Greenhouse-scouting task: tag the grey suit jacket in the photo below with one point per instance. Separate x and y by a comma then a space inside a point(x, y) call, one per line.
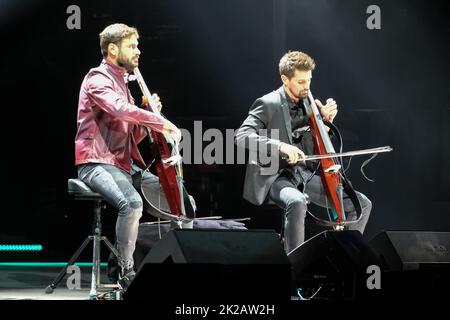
point(271, 113)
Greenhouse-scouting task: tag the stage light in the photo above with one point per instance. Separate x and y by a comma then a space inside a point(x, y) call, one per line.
point(20, 247)
point(47, 264)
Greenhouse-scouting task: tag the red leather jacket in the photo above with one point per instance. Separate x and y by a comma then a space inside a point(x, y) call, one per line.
point(109, 125)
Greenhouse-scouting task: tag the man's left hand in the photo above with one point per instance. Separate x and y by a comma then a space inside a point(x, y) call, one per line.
point(157, 99)
point(329, 110)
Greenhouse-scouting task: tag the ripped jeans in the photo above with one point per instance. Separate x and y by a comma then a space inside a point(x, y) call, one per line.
point(116, 186)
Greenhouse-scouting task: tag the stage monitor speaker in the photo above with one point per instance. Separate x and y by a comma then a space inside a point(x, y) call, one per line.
point(333, 251)
point(333, 261)
point(413, 250)
point(193, 266)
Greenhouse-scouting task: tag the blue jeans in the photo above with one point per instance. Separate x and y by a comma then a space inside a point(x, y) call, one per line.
point(285, 194)
point(116, 186)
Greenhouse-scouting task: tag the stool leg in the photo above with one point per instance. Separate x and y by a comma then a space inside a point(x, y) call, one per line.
point(111, 246)
point(97, 230)
point(61, 275)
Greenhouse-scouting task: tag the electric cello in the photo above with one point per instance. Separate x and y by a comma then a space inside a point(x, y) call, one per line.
point(168, 164)
point(330, 167)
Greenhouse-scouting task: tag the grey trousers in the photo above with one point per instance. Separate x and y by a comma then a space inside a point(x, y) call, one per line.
point(285, 194)
point(116, 186)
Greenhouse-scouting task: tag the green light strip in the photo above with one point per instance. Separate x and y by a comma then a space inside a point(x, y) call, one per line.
point(47, 264)
point(20, 247)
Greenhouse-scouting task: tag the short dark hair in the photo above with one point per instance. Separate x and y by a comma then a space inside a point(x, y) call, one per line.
point(295, 60)
point(115, 33)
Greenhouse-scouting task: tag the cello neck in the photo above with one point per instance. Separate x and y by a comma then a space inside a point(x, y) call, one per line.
point(145, 91)
point(315, 113)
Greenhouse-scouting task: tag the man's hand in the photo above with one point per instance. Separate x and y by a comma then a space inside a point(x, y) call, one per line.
point(172, 130)
point(293, 153)
point(156, 99)
point(329, 110)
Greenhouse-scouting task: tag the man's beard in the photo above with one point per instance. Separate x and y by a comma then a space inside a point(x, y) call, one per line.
point(127, 63)
point(302, 94)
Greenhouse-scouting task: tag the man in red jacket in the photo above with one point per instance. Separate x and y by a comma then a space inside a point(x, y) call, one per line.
point(109, 127)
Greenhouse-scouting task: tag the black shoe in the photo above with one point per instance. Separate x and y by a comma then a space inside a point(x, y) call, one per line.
point(126, 279)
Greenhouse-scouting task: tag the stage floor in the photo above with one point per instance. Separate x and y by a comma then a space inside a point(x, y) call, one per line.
point(29, 283)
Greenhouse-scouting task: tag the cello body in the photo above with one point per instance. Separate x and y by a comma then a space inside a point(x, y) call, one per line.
point(164, 148)
point(333, 180)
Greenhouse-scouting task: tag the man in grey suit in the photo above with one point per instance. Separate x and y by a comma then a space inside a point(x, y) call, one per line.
point(277, 127)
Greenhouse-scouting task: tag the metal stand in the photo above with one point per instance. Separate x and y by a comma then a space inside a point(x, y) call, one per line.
point(97, 238)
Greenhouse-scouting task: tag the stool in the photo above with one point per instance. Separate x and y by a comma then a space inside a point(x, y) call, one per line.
point(78, 190)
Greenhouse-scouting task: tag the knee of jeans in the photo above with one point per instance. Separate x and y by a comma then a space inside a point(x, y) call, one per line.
point(366, 205)
point(132, 209)
point(296, 206)
point(299, 200)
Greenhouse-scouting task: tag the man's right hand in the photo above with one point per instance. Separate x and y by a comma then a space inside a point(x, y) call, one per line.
point(293, 153)
point(172, 130)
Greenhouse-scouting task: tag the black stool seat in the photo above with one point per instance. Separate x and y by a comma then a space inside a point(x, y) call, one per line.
point(79, 190)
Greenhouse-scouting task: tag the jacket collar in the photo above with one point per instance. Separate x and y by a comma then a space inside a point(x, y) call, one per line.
point(286, 104)
point(285, 99)
point(115, 69)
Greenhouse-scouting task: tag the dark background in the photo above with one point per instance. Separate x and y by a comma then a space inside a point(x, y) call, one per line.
point(209, 60)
